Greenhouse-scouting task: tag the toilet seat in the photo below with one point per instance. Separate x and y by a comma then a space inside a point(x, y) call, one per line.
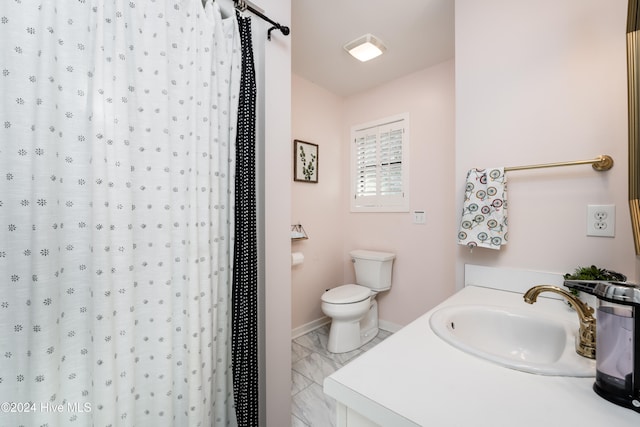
point(346, 294)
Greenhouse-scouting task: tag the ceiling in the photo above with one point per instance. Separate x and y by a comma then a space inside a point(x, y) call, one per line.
point(417, 34)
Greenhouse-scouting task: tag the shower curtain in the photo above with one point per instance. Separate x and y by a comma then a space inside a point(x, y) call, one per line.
point(244, 299)
point(117, 163)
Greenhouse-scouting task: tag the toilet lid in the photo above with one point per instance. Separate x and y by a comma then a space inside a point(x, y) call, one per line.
point(346, 294)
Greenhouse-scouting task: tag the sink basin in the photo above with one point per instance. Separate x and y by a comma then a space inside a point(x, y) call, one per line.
point(515, 338)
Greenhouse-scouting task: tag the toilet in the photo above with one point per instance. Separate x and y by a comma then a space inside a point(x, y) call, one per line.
point(353, 308)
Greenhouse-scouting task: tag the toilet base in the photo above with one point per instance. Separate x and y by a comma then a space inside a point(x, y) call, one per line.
point(349, 336)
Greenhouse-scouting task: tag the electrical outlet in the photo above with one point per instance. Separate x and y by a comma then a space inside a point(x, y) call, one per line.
point(601, 220)
point(419, 217)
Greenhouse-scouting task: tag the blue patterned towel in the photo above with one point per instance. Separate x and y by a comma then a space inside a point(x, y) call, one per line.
point(484, 214)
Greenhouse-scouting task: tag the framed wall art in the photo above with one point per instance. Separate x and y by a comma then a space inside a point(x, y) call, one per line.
point(305, 161)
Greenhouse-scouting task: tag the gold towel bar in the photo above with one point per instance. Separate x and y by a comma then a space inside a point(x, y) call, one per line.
point(602, 163)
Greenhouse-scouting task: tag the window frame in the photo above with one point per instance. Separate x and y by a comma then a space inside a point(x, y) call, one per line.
point(377, 202)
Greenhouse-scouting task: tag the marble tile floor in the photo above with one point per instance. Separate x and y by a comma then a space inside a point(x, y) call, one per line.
point(310, 364)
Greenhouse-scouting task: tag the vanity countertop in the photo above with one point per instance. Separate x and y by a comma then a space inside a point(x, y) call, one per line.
point(414, 378)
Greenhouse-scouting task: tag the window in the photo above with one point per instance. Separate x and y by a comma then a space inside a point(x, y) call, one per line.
point(379, 166)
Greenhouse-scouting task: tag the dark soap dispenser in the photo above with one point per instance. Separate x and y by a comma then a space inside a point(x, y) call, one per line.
point(617, 339)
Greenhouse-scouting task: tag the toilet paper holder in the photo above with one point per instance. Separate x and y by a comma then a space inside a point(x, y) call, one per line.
point(297, 258)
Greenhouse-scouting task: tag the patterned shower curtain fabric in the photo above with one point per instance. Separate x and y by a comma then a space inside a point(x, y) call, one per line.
point(244, 343)
point(117, 169)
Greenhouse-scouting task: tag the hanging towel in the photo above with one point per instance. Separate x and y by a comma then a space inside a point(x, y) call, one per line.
point(484, 213)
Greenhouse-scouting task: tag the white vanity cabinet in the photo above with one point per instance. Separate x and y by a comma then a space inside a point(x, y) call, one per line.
point(348, 417)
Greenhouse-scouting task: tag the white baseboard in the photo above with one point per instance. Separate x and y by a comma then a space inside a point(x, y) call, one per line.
point(388, 326)
point(318, 323)
point(308, 327)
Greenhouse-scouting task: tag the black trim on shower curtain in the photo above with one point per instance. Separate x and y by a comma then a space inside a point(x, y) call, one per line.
point(244, 317)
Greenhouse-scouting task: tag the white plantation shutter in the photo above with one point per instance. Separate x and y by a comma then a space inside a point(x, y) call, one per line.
point(390, 158)
point(366, 165)
point(380, 169)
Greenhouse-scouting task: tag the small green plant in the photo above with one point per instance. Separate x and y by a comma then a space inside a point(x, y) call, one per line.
point(594, 273)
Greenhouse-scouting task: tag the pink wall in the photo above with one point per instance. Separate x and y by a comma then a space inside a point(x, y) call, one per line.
point(317, 118)
point(423, 272)
point(535, 82)
point(275, 344)
point(540, 82)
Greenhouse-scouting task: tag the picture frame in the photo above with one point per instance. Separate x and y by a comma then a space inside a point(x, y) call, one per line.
point(305, 161)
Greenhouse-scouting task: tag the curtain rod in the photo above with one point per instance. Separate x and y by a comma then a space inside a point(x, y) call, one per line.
point(243, 5)
point(602, 163)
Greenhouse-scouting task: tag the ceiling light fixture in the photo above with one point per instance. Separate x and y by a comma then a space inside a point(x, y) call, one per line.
point(365, 47)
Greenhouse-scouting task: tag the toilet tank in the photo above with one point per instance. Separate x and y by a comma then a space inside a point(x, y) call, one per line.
point(373, 269)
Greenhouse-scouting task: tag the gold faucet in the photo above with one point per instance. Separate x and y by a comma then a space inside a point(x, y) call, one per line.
point(586, 344)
